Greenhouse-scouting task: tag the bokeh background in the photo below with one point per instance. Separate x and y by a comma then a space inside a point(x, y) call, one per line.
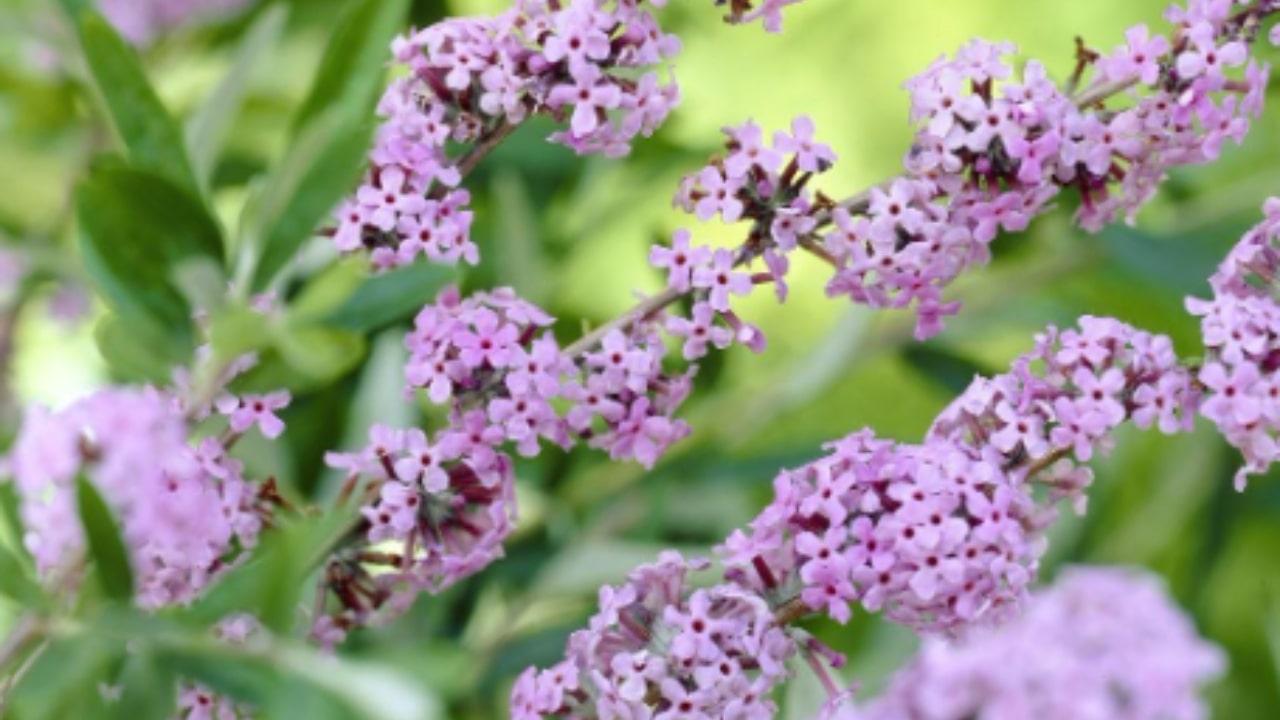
point(572, 235)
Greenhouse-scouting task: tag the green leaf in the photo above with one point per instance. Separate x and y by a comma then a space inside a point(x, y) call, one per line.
point(137, 350)
point(207, 129)
point(950, 371)
point(392, 297)
point(106, 544)
point(273, 582)
point(320, 353)
point(148, 687)
point(138, 230)
point(320, 168)
point(351, 71)
point(148, 132)
point(63, 680)
point(17, 581)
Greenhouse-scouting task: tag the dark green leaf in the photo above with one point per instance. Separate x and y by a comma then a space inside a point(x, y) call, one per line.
point(148, 132)
point(207, 129)
point(392, 297)
point(138, 229)
point(322, 166)
point(353, 66)
point(948, 370)
point(106, 544)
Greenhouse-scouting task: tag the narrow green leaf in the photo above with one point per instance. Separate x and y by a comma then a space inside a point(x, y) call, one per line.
point(64, 679)
point(138, 228)
point(148, 687)
point(106, 544)
point(950, 371)
point(352, 68)
point(392, 297)
point(17, 581)
point(207, 129)
point(144, 126)
point(75, 8)
point(273, 582)
point(322, 166)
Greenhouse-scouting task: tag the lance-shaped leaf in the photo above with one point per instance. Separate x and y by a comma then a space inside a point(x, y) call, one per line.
point(207, 129)
point(138, 228)
point(106, 544)
point(352, 68)
point(144, 126)
point(320, 168)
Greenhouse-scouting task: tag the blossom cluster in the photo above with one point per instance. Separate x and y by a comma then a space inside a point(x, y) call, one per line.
point(443, 507)
point(142, 21)
point(993, 149)
point(1241, 331)
point(492, 359)
point(661, 649)
point(1100, 643)
point(185, 509)
point(595, 63)
point(949, 532)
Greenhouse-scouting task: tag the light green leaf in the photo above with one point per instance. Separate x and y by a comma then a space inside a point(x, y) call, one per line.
point(319, 352)
point(148, 132)
point(106, 544)
point(137, 350)
point(207, 130)
point(353, 66)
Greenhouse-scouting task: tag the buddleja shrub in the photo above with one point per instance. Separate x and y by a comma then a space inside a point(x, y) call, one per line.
point(158, 576)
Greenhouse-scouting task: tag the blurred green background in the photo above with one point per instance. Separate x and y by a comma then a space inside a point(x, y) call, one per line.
point(572, 235)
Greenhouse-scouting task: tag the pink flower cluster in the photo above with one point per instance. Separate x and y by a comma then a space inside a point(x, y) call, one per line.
point(992, 151)
point(443, 507)
point(949, 532)
point(1241, 331)
point(503, 374)
point(660, 649)
point(185, 510)
point(142, 21)
point(757, 182)
point(1099, 643)
point(471, 80)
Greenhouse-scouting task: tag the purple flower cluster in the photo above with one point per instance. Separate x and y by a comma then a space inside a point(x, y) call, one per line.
point(992, 151)
point(660, 649)
point(142, 21)
point(443, 507)
point(1241, 331)
point(766, 185)
point(493, 360)
point(185, 509)
point(1099, 643)
point(471, 80)
point(949, 532)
